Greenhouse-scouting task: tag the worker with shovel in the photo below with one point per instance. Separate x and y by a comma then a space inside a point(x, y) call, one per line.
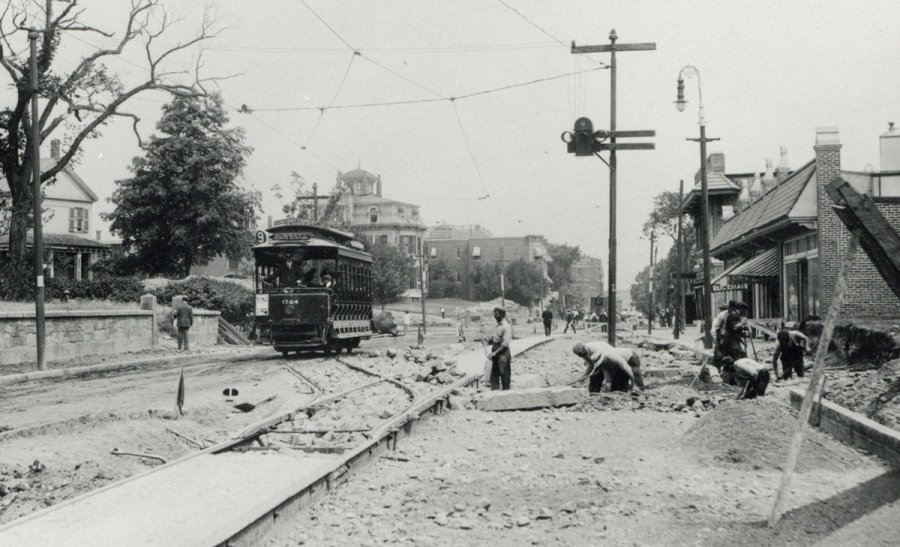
point(752, 376)
point(500, 355)
point(791, 346)
point(621, 365)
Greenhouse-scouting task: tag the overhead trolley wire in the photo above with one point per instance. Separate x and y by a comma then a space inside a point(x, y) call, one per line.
point(544, 31)
point(418, 101)
point(333, 99)
point(366, 57)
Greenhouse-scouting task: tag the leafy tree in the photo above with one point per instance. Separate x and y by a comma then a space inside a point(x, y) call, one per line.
point(441, 279)
point(486, 280)
point(390, 273)
point(79, 98)
point(639, 291)
point(563, 258)
point(183, 205)
point(523, 282)
point(664, 217)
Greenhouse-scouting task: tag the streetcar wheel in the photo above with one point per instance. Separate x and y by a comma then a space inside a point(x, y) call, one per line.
point(348, 349)
point(327, 350)
point(284, 353)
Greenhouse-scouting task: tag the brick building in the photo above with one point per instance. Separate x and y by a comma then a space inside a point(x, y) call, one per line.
point(463, 255)
point(456, 231)
point(782, 249)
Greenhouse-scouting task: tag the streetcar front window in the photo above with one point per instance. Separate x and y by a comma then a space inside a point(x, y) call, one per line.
point(300, 267)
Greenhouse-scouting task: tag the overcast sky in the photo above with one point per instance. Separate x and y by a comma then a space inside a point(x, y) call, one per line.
point(772, 71)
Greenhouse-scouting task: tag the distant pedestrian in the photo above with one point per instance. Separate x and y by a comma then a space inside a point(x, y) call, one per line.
point(460, 332)
point(183, 317)
point(547, 318)
point(791, 346)
point(442, 312)
point(406, 322)
point(570, 321)
point(500, 356)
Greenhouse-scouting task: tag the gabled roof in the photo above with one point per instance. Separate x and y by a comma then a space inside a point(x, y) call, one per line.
point(772, 209)
point(716, 183)
point(66, 173)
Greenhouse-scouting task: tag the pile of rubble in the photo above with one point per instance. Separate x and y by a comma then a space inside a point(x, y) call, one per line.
point(874, 393)
point(757, 433)
point(663, 398)
point(415, 365)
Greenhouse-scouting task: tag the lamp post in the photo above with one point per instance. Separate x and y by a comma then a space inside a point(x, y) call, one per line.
point(689, 71)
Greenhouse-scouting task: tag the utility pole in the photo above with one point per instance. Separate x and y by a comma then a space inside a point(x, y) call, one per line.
point(650, 287)
point(422, 282)
point(679, 310)
point(612, 48)
point(40, 327)
point(541, 271)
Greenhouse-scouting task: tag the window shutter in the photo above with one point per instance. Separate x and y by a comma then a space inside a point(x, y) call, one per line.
point(71, 219)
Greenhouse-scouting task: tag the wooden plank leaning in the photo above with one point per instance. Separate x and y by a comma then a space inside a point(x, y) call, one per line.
point(816, 381)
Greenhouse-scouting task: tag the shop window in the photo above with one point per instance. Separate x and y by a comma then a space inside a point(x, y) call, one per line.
point(476, 252)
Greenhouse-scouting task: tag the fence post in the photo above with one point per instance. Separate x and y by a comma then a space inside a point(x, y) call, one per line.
point(148, 302)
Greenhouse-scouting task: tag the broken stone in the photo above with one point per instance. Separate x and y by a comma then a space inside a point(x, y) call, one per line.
point(545, 514)
point(569, 507)
point(523, 521)
point(441, 520)
point(466, 524)
point(391, 353)
point(531, 398)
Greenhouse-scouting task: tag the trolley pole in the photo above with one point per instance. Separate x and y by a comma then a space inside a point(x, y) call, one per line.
point(612, 146)
point(40, 327)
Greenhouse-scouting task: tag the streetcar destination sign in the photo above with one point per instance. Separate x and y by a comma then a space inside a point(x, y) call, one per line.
point(290, 236)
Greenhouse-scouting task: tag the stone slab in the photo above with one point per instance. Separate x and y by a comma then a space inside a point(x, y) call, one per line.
point(202, 501)
point(531, 398)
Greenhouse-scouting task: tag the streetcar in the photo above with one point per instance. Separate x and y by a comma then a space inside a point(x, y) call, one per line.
point(313, 288)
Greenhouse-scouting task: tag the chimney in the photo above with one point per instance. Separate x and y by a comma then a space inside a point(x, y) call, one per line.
point(756, 188)
point(784, 168)
point(889, 148)
point(832, 236)
point(54, 149)
point(768, 180)
point(378, 186)
point(716, 163)
point(98, 235)
point(744, 199)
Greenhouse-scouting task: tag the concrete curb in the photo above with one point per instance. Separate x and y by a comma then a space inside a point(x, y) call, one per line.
point(853, 428)
point(73, 372)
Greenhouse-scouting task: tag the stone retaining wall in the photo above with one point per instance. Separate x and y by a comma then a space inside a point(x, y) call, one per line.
point(77, 333)
point(853, 429)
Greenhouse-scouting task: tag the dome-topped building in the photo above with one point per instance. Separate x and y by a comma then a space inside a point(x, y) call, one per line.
point(362, 209)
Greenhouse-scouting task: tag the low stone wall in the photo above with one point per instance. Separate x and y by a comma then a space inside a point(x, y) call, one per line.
point(77, 333)
point(853, 429)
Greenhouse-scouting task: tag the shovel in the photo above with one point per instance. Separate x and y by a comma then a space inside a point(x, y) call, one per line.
point(247, 407)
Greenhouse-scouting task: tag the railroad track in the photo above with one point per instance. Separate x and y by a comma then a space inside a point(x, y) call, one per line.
point(233, 493)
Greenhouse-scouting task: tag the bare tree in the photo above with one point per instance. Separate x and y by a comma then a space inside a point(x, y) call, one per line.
point(78, 99)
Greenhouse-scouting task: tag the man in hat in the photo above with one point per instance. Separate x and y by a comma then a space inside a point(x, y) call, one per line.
point(547, 319)
point(183, 317)
point(620, 365)
point(570, 321)
point(500, 356)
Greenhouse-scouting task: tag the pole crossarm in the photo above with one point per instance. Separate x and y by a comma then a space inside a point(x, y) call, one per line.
point(604, 48)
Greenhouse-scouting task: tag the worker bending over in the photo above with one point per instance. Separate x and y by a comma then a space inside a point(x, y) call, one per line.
point(620, 365)
point(753, 377)
point(792, 345)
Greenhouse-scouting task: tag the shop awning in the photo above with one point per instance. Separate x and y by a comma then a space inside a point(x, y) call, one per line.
point(721, 281)
point(760, 268)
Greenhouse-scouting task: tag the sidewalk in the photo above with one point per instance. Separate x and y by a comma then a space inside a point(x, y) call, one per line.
point(139, 360)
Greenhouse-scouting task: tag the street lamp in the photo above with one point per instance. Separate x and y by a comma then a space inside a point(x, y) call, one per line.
point(687, 72)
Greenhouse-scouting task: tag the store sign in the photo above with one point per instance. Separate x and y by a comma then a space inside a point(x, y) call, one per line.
point(731, 287)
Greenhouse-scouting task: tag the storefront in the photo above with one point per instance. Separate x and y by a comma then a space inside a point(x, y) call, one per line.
point(759, 275)
point(801, 275)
